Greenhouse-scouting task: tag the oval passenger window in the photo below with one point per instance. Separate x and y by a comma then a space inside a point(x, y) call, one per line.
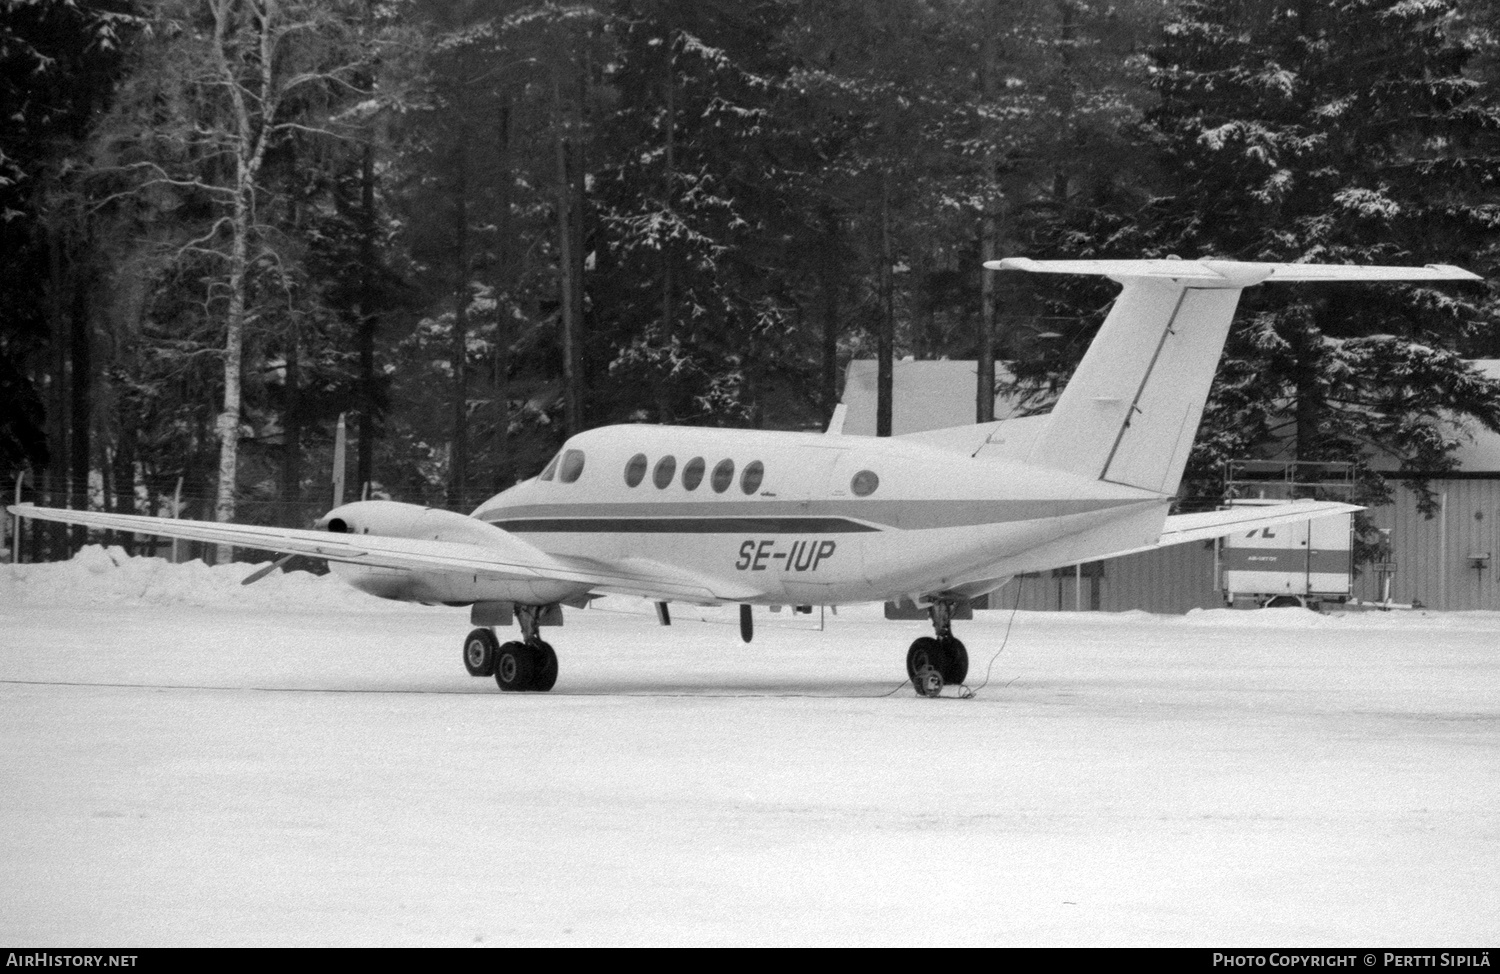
point(723, 476)
point(751, 478)
point(692, 474)
point(635, 470)
point(665, 468)
point(572, 466)
point(864, 483)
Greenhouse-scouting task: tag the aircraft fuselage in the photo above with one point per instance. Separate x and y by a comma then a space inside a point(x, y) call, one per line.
point(807, 518)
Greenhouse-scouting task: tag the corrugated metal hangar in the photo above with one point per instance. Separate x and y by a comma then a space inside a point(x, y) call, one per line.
point(1445, 561)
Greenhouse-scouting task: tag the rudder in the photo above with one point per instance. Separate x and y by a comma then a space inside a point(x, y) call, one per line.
point(1130, 412)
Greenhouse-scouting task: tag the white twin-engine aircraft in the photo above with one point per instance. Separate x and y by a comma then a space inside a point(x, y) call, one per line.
point(716, 516)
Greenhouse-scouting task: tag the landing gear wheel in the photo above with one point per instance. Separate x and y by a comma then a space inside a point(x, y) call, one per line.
point(480, 651)
point(925, 664)
point(955, 666)
point(928, 682)
point(516, 666)
point(546, 671)
point(923, 652)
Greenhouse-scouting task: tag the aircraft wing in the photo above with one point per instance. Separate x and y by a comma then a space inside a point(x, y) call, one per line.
point(1182, 528)
point(509, 559)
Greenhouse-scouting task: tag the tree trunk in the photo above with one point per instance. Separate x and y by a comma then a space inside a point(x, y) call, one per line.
point(56, 389)
point(668, 195)
point(228, 424)
point(885, 345)
point(291, 455)
point(125, 470)
point(989, 233)
point(1309, 411)
point(567, 286)
point(580, 321)
point(984, 389)
point(80, 389)
point(459, 457)
point(830, 351)
point(252, 133)
point(367, 318)
point(505, 277)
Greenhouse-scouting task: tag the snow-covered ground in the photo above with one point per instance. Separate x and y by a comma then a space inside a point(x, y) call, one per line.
point(186, 761)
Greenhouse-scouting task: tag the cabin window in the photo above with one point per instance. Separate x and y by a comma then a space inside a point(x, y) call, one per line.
point(572, 466)
point(692, 474)
point(864, 483)
point(665, 468)
point(635, 470)
point(551, 468)
point(751, 478)
point(723, 476)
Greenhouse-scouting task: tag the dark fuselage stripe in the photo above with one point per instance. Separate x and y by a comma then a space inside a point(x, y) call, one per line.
point(864, 515)
point(684, 525)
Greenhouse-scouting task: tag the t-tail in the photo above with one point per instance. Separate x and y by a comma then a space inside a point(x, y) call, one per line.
point(1131, 410)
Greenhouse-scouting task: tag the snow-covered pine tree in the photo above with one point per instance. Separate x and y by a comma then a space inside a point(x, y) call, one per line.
point(58, 66)
point(1342, 132)
point(692, 218)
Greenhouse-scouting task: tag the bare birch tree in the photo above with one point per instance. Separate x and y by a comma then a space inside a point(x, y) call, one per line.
point(219, 88)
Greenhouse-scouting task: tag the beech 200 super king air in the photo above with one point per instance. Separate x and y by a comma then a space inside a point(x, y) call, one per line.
point(716, 516)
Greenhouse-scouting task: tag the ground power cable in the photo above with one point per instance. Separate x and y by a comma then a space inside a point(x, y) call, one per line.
point(965, 691)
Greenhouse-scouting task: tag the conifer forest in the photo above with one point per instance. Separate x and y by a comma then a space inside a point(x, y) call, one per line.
point(475, 228)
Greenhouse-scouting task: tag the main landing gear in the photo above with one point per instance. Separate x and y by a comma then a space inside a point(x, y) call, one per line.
point(933, 662)
point(529, 664)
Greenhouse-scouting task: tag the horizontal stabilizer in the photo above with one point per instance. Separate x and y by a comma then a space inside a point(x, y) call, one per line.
point(1182, 528)
point(1230, 273)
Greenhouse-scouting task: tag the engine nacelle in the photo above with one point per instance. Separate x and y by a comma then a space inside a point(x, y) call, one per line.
point(393, 519)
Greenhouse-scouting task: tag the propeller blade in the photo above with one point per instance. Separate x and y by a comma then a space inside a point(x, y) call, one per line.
point(262, 573)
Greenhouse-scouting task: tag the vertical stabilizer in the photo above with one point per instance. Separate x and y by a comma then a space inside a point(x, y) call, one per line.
point(1131, 410)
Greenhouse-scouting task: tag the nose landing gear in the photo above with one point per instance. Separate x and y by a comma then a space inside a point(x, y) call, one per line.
point(933, 662)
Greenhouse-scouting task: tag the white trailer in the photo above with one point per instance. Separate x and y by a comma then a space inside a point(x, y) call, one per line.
point(1303, 563)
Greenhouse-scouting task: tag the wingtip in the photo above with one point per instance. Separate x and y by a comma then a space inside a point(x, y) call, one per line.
point(1454, 273)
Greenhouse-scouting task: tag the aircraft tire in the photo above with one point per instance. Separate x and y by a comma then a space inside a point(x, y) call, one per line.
point(955, 665)
point(480, 650)
point(516, 666)
point(926, 651)
point(546, 670)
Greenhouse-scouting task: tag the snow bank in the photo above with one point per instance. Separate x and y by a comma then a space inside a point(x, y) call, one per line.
point(108, 576)
point(1294, 618)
